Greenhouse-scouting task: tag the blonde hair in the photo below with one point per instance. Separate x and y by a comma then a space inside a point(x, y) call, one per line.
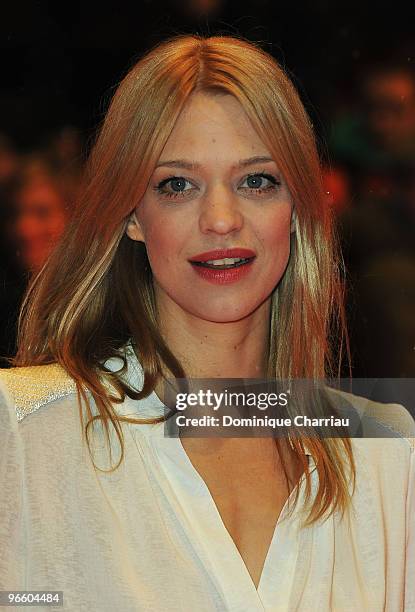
point(95, 292)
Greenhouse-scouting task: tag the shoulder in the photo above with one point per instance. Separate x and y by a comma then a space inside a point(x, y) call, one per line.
point(383, 445)
point(26, 389)
point(378, 420)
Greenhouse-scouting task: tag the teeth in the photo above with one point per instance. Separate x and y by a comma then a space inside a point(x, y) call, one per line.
point(224, 262)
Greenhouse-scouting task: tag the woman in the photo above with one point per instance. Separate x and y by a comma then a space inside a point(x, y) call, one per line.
point(202, 249)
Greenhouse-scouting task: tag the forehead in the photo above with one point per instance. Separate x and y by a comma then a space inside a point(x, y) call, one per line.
point(213, 123)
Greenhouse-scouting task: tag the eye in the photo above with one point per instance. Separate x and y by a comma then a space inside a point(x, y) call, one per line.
point(258, 182)
point(177, 186)
point(174, 187)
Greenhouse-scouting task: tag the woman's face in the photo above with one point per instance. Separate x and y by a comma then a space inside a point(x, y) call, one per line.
point(40, 221)
point(208, 193)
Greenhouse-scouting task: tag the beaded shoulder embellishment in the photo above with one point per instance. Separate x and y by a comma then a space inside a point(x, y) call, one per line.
point(34, 386)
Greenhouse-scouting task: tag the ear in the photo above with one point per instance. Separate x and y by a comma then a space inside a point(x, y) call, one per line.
point(133, 229)
point(293, 221)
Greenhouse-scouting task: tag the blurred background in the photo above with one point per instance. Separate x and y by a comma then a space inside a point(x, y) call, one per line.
point(354, 66)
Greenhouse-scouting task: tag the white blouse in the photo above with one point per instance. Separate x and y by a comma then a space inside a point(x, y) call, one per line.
point(149, 537)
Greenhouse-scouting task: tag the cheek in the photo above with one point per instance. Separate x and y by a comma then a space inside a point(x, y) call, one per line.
point(276, 234)
point(163, 244)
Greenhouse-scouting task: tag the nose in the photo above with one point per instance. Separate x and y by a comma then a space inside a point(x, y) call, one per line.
point(220, 212)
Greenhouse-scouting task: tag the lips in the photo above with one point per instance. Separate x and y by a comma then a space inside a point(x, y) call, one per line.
point(223, 254)
point(223, 266)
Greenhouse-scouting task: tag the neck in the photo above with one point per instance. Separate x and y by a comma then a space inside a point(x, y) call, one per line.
point(207, 349)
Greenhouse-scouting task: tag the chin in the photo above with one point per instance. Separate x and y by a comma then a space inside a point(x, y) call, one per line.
point(224, 313)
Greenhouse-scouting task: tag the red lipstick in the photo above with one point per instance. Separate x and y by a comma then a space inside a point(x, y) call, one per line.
point(222, 253)
point(226, 272)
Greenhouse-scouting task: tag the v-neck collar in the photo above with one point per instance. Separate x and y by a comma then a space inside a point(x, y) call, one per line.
point(208, 532)
point(195, 507)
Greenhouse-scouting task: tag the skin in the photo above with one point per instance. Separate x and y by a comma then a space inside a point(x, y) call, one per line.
point(392, 115)
point(208, 325)
point(39, 223)
point(217, 330)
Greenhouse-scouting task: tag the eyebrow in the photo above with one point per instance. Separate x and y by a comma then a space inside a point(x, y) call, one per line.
point(189, 165)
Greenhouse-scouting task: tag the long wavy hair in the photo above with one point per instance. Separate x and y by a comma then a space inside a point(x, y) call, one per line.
point(95, 292)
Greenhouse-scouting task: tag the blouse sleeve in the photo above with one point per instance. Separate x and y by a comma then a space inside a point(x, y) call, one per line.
point(12, 552)
point(410, 557)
